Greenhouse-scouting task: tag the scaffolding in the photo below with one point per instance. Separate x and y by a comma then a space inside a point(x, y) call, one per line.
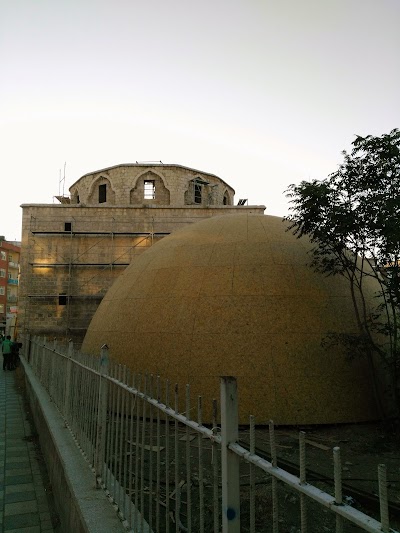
point(72, 295)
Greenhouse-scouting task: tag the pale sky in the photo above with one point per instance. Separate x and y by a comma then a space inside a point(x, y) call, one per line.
point(262, 93)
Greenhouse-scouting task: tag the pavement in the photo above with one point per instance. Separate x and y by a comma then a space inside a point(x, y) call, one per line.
point(24, 502)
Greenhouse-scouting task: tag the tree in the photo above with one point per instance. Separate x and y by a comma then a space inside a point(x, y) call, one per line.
point(353, 219)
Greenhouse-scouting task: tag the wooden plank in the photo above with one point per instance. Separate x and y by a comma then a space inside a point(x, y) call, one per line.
point(318, 445)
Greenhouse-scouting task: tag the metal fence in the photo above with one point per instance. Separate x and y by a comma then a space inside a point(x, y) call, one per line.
point(165, 471)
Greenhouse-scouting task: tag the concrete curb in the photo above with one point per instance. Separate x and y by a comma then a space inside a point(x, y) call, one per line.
point(80, 506)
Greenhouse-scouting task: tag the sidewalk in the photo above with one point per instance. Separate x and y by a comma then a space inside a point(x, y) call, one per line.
point(23, 500)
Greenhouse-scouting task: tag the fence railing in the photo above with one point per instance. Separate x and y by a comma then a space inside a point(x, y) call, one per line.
point(166, 471)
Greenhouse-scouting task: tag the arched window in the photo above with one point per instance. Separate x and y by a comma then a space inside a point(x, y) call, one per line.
point(149, 187)
point(102, 193)
point(197, 193)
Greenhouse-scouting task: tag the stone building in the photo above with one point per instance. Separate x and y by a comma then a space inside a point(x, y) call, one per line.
point(72, 251)
point(9, 283)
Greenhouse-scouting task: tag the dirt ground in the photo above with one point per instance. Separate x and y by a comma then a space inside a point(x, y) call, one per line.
point(362, 447)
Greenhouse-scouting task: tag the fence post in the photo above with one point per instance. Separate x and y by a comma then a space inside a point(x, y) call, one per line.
point(229, 460)
point(32, 354)
point(383, 498)
point(42, 356)
point(102, 414)
point(27, 347)
point(68, 380)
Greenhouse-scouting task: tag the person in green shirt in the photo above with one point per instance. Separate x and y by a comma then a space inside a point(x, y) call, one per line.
point(6, 347)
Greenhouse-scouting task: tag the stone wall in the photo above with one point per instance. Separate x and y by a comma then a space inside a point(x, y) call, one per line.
point(72, 253)
point(173, 186)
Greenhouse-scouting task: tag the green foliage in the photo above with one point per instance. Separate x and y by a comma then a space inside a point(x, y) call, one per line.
point(353, 219)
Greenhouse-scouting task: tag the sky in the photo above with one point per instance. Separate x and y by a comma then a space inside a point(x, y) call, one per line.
point(262, 93)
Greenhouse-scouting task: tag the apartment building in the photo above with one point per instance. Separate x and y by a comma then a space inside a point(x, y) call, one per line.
point(9, 285)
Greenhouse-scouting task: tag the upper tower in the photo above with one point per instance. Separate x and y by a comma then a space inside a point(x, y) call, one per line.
point(151, 185)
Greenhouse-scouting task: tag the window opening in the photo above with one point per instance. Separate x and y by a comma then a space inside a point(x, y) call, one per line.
point(2, 273)
point(197, 193)
point(2, 291)
point(77, 199)
point(149, 189)
point(102, 193)
point(225, 201)
point(3, 256)
point(68, 226)
point(62, 299)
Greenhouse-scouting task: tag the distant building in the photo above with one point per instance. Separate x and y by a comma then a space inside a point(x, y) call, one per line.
point(9, 284)
point(73, 251)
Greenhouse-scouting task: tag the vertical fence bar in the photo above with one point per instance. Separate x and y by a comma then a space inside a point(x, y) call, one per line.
point(72, 399)
point(109, 427)
point(130, 471)
point(39, 357)
point(229, 460)
point(27, 347)
point(94, 394)
point(53, 366)
point(79, 414)
point(142, 452)
point(137, 453)
point(214, 455)
point(102, 414)
point(176, 444)
point(68, 380)
point(75, 404)
point(200, 460)
point(125, 453)
point(42, 357)
point(274, 482)
point(188, 465)
point(113, 431)
point(85, 410)
point(158, 475)
point(43, 354)
point(167, 461)
point(117, 438)
point(252, 478)
point(121, 495)
point(89, 413)
point(150, 520)
point(302, 461)
point(337, 465)
point(118, 447)
point(383, 498)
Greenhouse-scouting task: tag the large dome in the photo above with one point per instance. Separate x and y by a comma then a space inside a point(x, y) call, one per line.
point(233, 295)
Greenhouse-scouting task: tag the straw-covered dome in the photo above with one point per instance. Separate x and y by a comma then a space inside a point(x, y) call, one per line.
point(233, 295)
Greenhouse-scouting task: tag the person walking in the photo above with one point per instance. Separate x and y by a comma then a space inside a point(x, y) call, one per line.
point(14, 357)
point(7, 344)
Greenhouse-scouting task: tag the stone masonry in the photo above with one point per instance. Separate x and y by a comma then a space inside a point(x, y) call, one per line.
point(73, 251)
